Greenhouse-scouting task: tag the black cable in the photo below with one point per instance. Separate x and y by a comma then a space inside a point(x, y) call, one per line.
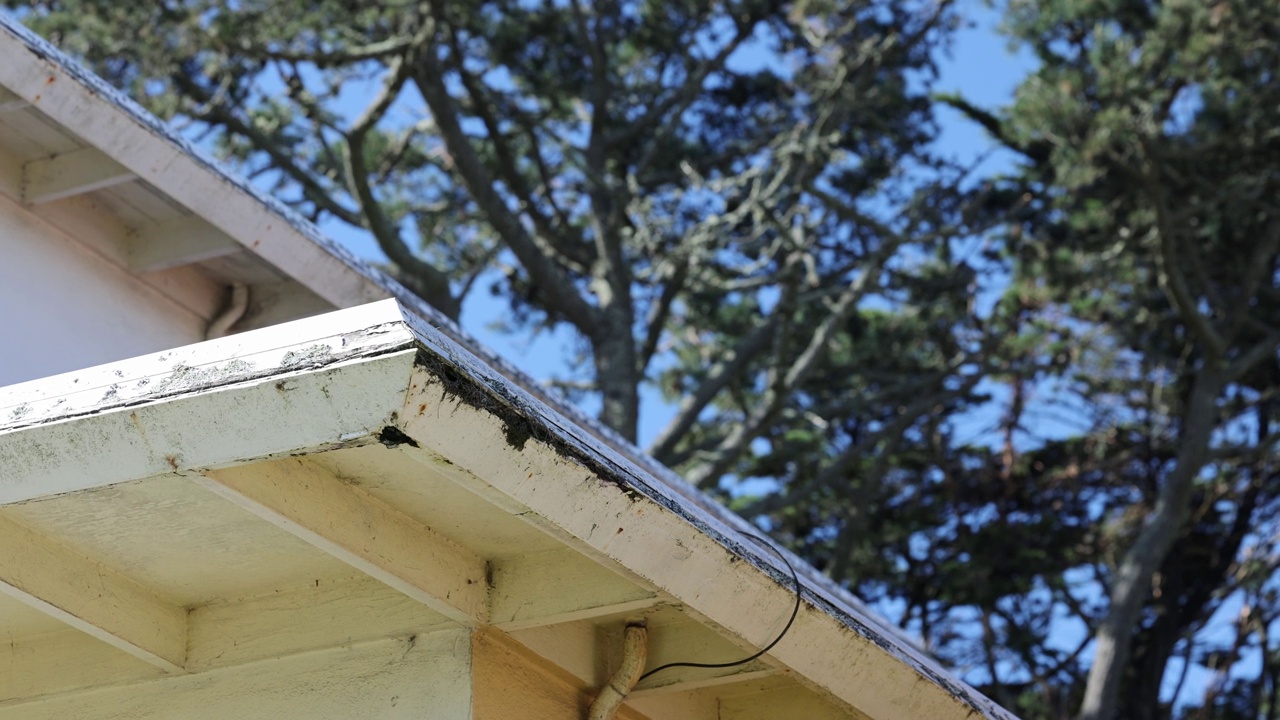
point(794, 612)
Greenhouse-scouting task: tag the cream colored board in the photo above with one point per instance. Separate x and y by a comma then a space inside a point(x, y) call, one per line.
point(90, 596)
point(69, 174)
point(179, 539)
point(325, 614)
point(148, 201)
point(12, 142)
point(437, 502)
point(344, 521)
point(591, 650)
point(35, 135)
point(249, 268)
point(426, 676)
point(778, 698)
point(176, 243)
point(63, 661)
point(18, 620)
point(104, 124)
point(559, 586)
point(87, 222)
point(621, 526)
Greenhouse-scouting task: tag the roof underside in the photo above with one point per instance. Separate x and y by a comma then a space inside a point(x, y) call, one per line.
point(360, 465)
point(88, 161)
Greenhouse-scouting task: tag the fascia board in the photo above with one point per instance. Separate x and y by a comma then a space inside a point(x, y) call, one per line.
point(340, 378)
point(572, 440)
point(312, 384)
point(86, 105)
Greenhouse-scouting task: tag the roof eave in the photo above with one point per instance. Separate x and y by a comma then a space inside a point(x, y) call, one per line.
point(345, 377)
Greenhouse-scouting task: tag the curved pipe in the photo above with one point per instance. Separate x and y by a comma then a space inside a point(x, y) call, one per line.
point(635, 653)
point(231, 314)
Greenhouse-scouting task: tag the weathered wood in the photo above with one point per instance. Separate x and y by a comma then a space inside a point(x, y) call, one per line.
point(257, 379)
point(74, 173)
point(273, 303)
point(510, 682)
point(638, 528)
point(504, 446)
point(360, 530)
point(424, 676)
point(87, 222)
point(675, 637)
point(279, 624)
point(774, 700)
point(558, 587)
point(91, 598)
point(181, 242)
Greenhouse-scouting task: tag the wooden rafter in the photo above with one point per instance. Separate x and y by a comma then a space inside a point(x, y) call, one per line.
point(360, 530)
point(73, 173)
point(90, 597)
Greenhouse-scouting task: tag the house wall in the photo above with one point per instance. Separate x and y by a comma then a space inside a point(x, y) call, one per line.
point(64, 307)
point(509, 682)
point(426, 678)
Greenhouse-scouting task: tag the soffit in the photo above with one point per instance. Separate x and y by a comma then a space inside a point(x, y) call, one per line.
point(84, 159)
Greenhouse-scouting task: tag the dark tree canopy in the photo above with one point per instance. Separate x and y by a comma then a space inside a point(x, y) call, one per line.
point(1032, 415)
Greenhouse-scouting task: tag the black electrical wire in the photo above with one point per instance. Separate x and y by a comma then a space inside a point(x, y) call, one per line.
point(794, 612)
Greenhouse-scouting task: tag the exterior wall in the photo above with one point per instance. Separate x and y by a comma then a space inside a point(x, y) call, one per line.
point(509, 682)
point(63, 307)
point(426, 678)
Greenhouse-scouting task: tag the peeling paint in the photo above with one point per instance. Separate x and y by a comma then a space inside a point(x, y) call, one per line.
point(185, 377)
point(454, 386)
point(314, 356)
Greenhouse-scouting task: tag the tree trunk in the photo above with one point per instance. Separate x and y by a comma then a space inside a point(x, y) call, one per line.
point(614, 352)
point(1132, 583)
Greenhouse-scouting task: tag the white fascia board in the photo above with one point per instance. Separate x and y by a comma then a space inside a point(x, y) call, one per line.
point(513, 404)
point(320, 382)
point(340, 379)
point(34, 72)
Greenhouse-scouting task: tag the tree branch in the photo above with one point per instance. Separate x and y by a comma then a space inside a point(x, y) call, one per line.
point(553, 243)
point(217, 113)
point(659, 311)
point(727, 369)
point(1171, 277)
point(390, 47)
point(819, 343)
point(427, 280)
point(1132, 581)
point(890, 432)
point(560, 293)
point(1262, 350)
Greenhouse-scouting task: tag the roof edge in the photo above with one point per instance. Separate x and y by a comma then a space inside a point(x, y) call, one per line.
point(387, 327)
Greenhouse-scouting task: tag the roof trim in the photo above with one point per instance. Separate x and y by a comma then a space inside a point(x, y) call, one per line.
point(379, 344)
point(60, 87)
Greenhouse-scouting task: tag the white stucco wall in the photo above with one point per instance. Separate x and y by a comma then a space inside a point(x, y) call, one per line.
point(63, 307)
